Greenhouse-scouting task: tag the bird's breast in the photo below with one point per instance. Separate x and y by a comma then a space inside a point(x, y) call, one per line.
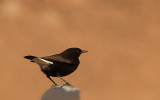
point(59, 69)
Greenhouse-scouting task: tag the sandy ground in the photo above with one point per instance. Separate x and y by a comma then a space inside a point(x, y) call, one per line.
point(122, 37)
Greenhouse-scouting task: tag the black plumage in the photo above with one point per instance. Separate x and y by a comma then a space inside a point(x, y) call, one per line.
point(59, 65)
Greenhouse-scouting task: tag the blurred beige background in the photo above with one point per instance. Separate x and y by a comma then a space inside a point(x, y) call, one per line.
point(122, 37)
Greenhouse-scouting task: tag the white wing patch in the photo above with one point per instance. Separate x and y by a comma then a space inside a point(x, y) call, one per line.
point(46, 61)
point(41, 61)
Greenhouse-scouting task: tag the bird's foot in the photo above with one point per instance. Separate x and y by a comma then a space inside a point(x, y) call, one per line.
point(64, 85)
point(54, 85)
point(68, 84)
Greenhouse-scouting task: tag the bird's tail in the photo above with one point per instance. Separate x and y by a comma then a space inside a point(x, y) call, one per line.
point(30, 57)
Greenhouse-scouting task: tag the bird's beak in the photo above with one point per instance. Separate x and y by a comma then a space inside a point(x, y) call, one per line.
point(84, 51)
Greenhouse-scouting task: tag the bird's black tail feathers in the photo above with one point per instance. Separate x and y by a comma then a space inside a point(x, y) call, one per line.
point(30, 57)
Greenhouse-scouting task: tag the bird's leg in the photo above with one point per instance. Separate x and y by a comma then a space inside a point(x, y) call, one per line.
point(52, 81)
point(67, 83)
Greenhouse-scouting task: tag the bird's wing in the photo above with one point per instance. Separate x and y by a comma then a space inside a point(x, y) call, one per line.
point(57, 58)
point(41, 61)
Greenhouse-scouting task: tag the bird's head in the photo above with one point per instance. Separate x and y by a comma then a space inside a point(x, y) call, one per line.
point(73, 52)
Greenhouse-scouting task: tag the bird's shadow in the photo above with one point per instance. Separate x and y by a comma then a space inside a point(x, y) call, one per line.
point(61, 93)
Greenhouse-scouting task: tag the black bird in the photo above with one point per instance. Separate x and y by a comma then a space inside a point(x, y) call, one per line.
point(59, 65)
